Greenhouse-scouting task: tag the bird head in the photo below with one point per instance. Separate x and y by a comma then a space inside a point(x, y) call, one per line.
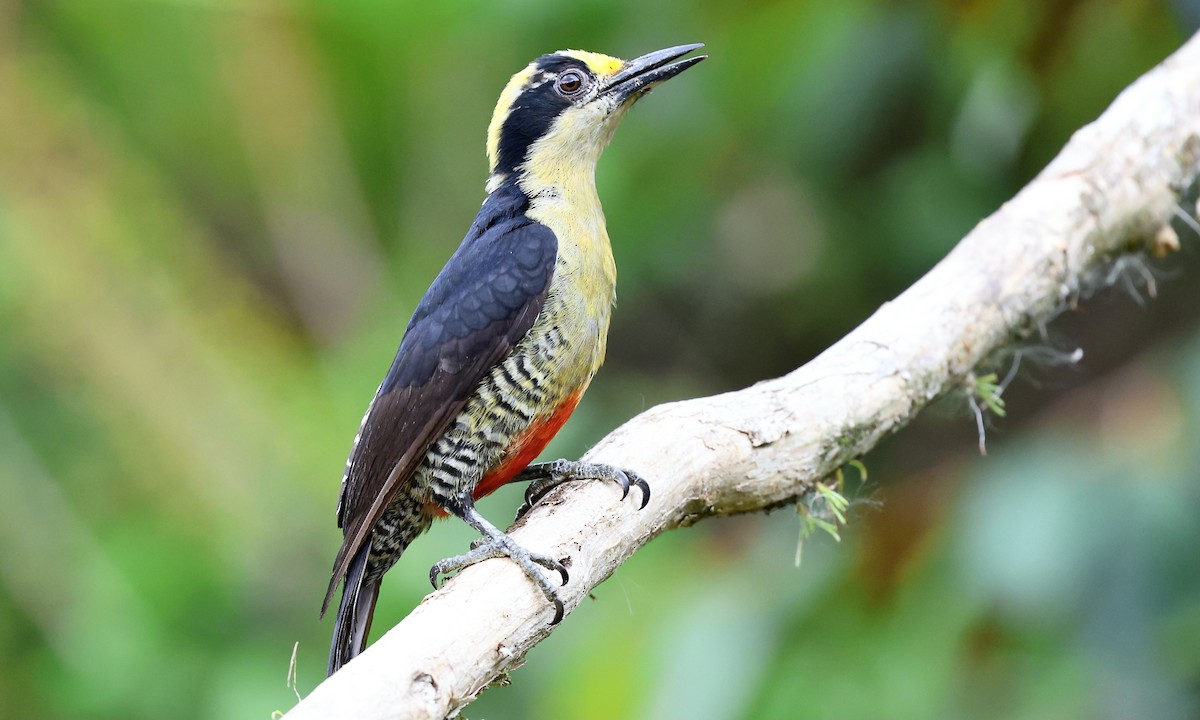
point(556, 116)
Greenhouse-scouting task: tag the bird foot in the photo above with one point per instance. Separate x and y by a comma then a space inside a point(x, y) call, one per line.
point(544, 477)
point(503, 546)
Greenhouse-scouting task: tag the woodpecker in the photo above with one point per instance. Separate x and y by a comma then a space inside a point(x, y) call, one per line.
point(503, 344)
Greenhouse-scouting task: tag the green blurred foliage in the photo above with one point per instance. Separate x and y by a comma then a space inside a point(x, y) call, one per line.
point(217, 215)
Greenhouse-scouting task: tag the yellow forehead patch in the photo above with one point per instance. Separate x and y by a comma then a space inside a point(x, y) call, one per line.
point(602, 65)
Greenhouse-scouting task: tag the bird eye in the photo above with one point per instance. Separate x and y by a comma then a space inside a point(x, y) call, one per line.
point(571, 82)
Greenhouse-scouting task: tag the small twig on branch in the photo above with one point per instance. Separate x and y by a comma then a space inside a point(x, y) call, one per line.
point(1108, 194)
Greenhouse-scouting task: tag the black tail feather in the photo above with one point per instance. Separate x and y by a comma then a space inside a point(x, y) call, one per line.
point(353, 622)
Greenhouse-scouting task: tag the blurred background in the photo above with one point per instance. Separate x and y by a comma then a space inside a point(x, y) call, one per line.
point(216, 217)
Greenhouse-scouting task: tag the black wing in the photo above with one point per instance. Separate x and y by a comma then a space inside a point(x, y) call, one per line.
point(480, 306)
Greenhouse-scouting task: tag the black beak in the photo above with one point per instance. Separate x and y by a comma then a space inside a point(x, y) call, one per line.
point(641, 74)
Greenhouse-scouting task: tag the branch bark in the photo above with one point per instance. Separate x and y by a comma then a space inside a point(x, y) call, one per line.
point(1112, 191)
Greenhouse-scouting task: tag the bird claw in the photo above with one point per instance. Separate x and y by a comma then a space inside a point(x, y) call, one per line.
point(644, 486)
point(503, 546)
point(544, 477)
point(623, 480)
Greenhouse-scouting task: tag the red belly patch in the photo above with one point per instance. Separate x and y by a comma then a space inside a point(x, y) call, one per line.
point(527, 447)
point(523, 450)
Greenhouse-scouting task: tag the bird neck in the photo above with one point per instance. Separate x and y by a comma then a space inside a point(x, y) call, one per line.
point(545, 178)
point(561, 191)
point(562, 196)
point(558, 178)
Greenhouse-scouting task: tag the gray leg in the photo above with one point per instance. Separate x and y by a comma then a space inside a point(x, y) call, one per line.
point(544, 477)
point(495, 544)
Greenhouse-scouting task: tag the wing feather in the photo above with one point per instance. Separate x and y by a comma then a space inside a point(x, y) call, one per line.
point(483, 302)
